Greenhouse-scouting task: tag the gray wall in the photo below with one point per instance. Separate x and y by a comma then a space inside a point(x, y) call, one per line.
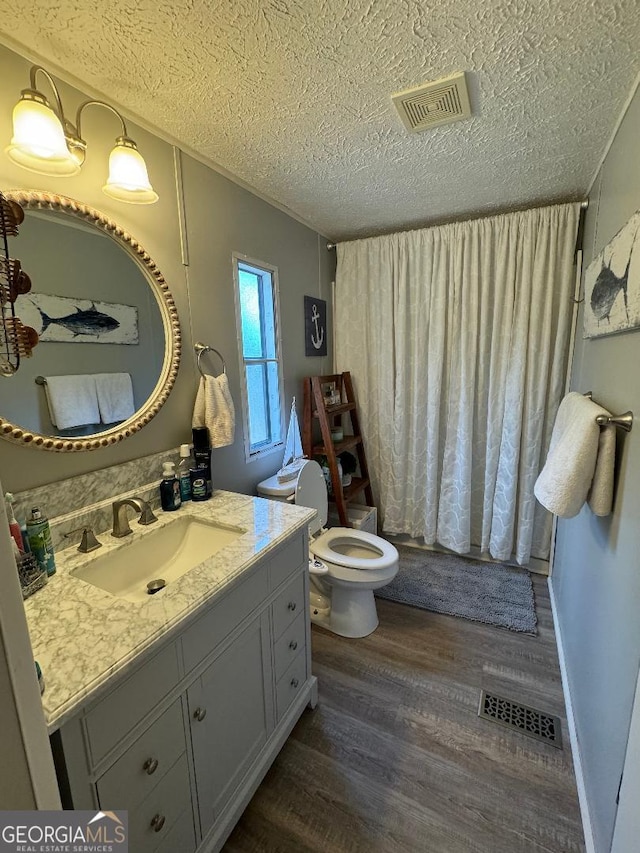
point(596, 577)
point(221, 218)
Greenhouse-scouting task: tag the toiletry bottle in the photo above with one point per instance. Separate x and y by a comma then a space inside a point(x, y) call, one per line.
point(184, 472)
point(40, 678)
point(202, 454)
point(14, 527)
point(169, 488)
point(40, 544)
point(198, 484)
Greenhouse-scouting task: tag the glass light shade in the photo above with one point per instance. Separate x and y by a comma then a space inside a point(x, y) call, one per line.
point(128, 179)
point(38, 141)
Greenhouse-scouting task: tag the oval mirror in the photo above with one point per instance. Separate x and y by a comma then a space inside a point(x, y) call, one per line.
point(109, 344)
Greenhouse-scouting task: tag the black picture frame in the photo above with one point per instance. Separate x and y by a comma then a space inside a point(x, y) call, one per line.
point(315, 326)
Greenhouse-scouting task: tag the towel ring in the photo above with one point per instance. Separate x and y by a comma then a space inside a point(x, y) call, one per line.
point(200, 350)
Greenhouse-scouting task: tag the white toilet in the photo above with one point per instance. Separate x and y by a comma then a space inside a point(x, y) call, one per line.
point(345, 565)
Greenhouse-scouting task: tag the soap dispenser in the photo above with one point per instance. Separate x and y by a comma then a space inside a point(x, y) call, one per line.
point(169, 488)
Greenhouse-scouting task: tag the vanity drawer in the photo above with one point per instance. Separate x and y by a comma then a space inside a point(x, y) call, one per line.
point(115, 715)
point(288, 605)
point(151, 822)
point(145, 763)
point(291, 684)
point(199, 640)
point(290, 643)
point(285, 561)
point(181, 837)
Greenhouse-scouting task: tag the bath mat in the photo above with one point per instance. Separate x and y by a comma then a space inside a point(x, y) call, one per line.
point(445, 583)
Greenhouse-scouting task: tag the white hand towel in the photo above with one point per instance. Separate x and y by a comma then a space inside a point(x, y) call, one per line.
point(214, 409)
point(197, 419)
point(72, 400)
point(565, 480)
point(115, 397)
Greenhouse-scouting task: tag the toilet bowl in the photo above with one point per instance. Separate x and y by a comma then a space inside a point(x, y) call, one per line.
point(354, 562)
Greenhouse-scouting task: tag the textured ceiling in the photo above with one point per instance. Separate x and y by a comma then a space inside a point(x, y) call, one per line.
point(293, 97)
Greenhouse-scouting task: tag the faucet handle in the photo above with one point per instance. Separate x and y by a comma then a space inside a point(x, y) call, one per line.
point(88, 542)
point(147, 515)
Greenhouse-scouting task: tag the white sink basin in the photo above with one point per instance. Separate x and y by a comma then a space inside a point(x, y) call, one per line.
point(166, 552)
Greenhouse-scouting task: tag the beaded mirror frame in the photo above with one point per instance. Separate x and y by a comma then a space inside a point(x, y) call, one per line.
point(34, 200)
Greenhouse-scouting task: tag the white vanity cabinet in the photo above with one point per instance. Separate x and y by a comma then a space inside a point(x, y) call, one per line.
point(229, 719)
point(184, 739)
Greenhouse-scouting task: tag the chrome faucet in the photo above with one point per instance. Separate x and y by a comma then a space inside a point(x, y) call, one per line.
point(120, 520)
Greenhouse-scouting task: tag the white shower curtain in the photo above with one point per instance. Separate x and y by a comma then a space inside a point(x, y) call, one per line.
point(456, 338)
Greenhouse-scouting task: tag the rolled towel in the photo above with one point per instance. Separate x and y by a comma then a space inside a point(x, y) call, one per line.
point(115, 397)
point(600, 497)
point(572, 461)
point(72, 400)
point(214, 409)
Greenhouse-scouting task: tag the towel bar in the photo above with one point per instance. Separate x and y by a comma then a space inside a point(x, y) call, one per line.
point(624, 421)
point(40, 380)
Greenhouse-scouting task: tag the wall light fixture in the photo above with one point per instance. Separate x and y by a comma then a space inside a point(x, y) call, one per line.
point(45, 141)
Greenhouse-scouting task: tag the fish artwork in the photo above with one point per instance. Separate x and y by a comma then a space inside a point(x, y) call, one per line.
point(612, 284)
point(65, 319)
point(87, 322)
point(606, 289)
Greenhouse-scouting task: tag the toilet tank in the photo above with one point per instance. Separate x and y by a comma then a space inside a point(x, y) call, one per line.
point(275, 491)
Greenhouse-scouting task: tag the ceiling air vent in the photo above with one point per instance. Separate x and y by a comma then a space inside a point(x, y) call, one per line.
point(441, 102)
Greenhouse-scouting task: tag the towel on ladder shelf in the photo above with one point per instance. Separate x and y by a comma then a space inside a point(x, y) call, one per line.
point(72, 400)
point(580, 462)
point(214, 409)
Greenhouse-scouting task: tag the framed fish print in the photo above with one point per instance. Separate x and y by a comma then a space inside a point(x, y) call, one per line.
point(315, 326)
point(80, 321)
point(612, 284)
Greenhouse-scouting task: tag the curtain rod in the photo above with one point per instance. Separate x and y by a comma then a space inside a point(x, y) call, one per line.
point(583, 204)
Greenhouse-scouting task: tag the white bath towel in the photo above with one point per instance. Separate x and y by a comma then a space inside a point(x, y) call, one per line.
point(115, 397)
point(580, 459)
point(72, 400)
point(214, 409)
point(600, 497)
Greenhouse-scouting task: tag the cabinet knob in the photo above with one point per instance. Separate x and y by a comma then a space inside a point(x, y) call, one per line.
point(199, 714)
point(293, 645)
point(157, 822)
point(150, 765)
point(291, 605)
point(294, 682)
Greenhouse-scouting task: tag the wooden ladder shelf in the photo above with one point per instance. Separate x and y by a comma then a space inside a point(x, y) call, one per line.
point(330, 416)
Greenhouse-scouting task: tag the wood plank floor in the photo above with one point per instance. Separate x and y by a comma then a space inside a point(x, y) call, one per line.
point(395, 758)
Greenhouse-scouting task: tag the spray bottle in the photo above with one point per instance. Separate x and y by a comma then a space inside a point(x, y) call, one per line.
point(40, 544)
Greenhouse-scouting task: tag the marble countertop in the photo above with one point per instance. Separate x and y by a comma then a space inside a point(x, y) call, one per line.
point(82, 637)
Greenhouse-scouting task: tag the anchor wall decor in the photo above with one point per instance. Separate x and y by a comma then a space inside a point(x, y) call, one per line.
point(315, 326)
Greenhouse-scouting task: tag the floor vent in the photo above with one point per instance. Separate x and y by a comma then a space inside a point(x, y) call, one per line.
point(529, 721)
point(441, 102)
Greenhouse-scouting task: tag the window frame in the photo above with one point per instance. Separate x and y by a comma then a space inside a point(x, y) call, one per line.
point(253, 265)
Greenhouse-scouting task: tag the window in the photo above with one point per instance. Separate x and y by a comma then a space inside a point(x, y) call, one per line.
point(259, 341)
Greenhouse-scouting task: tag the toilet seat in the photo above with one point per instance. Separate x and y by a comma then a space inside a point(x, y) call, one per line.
point(324, 548)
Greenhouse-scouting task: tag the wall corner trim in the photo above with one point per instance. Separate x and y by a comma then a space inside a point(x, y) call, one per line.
point(585, 814)
point(614, 133)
